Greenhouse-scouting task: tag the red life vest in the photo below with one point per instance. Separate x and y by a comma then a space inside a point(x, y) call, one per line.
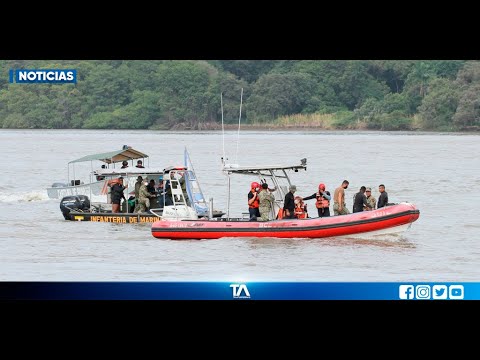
point(255, 204)
point(321, 202)
point(301, 211)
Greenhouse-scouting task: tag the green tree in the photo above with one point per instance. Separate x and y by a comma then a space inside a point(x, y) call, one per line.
point(439, 105)
point(247, 70)
point(275, 95)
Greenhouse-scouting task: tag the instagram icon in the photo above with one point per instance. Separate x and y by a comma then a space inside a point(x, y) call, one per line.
point(422, 292)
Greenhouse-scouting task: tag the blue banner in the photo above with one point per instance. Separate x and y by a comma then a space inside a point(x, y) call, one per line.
point(238, 291)
point(45, 76)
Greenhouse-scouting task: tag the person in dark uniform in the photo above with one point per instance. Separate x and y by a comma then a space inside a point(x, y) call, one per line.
point(151, 187)
point(383, 198)
point(323, 200)
point(124, 164)
point(360, 201)
point(117, 195)
point(289, 203)
point(140, 164)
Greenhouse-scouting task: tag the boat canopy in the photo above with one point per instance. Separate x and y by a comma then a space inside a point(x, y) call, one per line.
point(254, 170)
point(113, 156)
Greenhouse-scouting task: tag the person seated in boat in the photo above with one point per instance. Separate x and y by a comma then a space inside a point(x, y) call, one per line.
point(100, 177)
point(253, 201)
point(289, 203)
point(323, 200)
point(131, 204)
point(140, 164)
point(300, 208)
point(144, 197)
point(124, 164)
point(117, 195)
point(360, 201)
point(266, 201)
point(151, 187)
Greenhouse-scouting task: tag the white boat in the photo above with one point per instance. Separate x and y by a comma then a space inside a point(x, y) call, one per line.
point(91, 201)
point(103, 167)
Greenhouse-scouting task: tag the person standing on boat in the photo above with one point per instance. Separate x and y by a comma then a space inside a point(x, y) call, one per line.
point(360, 201)
point(138, 184)
point(117, 195)
point(370, 199)
point(140, 164)
point(254, 201)
point(383, 198)
point(266, 200)
point(339, 206)
point(144, 197)
point(161, 192)
point(289, 203)
point(124, 164)
point(323, 200)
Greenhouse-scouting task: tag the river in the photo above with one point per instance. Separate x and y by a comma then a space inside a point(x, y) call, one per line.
point(439, 172)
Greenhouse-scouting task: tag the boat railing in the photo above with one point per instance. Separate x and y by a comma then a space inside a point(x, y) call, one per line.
point(157, 212)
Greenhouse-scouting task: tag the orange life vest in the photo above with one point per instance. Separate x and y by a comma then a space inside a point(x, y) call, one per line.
point(301, 211)
point(255, 204)
point(321, 202)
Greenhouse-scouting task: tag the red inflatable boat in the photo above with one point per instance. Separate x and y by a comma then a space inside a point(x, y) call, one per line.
point(387, 220)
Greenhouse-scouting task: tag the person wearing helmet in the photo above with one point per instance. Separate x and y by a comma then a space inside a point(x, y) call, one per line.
point(254, 201)
point(323, 200)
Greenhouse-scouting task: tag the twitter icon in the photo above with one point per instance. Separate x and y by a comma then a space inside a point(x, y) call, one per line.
point(439, 292)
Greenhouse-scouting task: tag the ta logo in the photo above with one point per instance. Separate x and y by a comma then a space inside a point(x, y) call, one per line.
point(238, 289)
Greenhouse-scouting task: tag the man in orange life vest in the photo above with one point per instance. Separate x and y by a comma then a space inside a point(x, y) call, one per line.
point(323, 201)
point(254, 201)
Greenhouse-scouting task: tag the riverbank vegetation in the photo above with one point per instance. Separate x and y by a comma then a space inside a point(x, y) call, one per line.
point(436, 95)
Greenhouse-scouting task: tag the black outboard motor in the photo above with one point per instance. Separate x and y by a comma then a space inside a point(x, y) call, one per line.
point(74, 203)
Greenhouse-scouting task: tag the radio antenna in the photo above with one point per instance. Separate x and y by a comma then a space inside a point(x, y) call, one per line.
point(223, 128)
point(239, 118)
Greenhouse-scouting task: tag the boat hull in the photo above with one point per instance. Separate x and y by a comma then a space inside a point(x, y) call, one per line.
point(381, 220)
point(118, 218)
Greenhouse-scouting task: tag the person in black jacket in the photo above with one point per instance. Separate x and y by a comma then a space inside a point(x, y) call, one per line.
point(383, 198)
point(289, 203)
point(117, 195)
point(360, 200)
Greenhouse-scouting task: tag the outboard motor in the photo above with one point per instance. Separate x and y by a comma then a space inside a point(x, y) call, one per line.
point(74, 203)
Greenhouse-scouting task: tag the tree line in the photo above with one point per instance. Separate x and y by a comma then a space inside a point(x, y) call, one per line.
point(439, 95)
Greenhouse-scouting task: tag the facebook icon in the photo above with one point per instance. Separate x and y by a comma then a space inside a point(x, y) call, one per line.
point(406, 292)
